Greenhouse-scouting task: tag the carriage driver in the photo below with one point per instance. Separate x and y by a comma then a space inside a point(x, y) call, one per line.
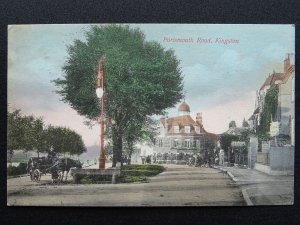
point(51, 154)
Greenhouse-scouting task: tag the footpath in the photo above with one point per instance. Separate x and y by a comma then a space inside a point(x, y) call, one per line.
point(262, 189)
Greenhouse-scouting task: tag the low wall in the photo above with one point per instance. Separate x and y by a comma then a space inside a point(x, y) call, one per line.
point(281, 161)
point(252, 152)
point(262, 158)
point(282, 158)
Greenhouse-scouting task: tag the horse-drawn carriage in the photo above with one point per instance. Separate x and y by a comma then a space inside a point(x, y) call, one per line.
point(57, 167)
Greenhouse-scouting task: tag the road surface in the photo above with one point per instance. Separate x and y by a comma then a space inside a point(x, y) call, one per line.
point(177, 186)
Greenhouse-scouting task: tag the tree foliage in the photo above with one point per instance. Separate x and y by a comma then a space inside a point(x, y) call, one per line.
point(25, 132)
point(226, 139)
point(138, 131)
point(63, 140)
point(142, 78)
point(29, 133)
point(15, 130)
point(269, 111)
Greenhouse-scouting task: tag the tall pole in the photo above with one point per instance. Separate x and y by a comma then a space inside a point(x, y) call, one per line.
point(100, 84)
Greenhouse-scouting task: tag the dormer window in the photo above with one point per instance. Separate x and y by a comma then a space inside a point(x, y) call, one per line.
point(187, 129)
point(197, 129)
point(176, 129)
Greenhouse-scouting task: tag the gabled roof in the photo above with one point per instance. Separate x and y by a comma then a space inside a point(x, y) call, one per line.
point(256, 110)
point(272, 78)
point(187, 120)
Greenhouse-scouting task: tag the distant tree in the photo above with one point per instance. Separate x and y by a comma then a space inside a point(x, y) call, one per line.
point(137, 131)
point(28, 133)
point(142, 78)
point(15, 131)
point(24, 132)
point(245, 123)
point(232, 124)
point(36, 136)
point(226, 139)
point(63, 140)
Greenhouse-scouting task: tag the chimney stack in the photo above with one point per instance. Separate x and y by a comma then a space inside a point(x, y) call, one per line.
point(287, 63)
point(199, 118)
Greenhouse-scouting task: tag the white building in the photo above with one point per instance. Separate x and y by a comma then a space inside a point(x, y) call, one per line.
point(286, 99)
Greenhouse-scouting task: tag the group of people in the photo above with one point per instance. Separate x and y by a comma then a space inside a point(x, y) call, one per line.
point(190, 159)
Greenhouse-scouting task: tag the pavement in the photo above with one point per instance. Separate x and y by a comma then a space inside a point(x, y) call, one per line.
point(178, 185)
point(259, 188)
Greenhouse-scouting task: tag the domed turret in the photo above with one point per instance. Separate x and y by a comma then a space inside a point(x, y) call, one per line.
point(184, 109)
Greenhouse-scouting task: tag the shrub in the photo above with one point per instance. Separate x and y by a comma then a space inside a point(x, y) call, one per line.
point(16, 170)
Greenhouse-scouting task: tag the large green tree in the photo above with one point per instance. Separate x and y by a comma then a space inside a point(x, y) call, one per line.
point(142, 78)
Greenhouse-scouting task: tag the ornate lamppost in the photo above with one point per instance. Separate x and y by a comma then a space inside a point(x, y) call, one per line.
point(100, 95)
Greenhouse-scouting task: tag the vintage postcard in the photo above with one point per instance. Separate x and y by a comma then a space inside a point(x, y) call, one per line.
point(151, 115)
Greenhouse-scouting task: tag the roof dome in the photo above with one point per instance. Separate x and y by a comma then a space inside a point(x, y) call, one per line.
point(184, 107)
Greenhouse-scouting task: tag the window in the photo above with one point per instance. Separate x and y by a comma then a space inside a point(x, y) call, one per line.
point(160, 143)
point(176, 129)
point(197, 129)
point(176, 143)
point(187, 143)
point(187, 129)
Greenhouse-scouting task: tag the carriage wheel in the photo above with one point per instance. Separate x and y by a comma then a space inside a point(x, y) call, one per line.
point(37, 175)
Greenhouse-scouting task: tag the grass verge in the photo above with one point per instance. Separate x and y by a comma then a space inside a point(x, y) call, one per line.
point(139, 173)
point(130, 174)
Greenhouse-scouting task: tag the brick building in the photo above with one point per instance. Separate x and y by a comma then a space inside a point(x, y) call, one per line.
point(184, 134)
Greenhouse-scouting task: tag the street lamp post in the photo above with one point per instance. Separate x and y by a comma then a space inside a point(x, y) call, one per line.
point(100, 95)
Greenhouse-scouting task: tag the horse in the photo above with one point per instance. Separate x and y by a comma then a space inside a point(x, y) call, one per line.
point(61, 168)
point(34, 167)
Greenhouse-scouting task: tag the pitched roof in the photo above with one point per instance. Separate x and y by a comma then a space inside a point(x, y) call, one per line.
point(213, 137)
point(272, 78)
point(187, 120)
point(251, 117)
point(181, 120)
point(256, 110)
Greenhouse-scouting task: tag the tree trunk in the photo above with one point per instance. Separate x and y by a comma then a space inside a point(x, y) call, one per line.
point(130, 153)
point(129, 159)
point(117, 149)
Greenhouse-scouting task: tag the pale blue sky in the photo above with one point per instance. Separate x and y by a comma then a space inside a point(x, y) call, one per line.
point(220, 80)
